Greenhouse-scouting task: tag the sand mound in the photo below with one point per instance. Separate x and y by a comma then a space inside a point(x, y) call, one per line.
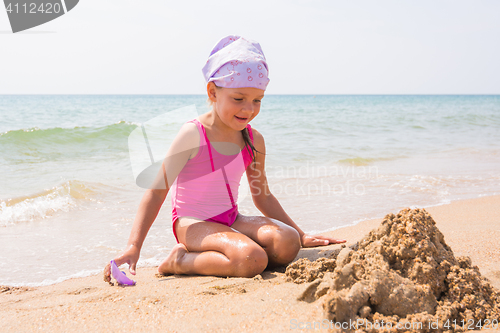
point(303, 270)
point(402, 275)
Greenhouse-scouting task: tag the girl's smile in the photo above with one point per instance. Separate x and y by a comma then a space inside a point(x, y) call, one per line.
point(241, 119)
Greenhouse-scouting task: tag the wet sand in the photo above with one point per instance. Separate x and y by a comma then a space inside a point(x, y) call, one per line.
point(266, 303)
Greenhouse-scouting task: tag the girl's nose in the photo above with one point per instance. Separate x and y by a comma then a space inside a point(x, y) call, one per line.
point(249, 107)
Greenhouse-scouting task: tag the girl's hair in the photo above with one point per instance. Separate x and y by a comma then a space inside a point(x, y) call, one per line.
point(244, 132)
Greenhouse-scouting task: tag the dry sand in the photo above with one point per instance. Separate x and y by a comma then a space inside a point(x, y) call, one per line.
point(266, 303)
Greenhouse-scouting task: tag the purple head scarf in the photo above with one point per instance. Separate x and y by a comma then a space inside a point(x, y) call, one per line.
point(237, 62)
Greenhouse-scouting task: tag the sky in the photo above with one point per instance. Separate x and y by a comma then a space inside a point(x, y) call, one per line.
point(312, 47)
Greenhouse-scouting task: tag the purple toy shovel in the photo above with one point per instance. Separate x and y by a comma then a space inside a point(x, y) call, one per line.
point(120, 276)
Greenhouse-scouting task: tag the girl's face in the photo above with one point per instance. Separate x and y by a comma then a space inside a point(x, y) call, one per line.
point(236, 107)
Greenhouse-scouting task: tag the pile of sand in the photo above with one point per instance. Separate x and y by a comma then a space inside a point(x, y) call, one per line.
point(403, 274)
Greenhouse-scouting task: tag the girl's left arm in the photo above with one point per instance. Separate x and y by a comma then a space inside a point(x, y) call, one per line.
point(267, 203)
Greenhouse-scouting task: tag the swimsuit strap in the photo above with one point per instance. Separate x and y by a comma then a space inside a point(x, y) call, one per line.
point(208, 144)
point(248, 148)
point(212, 162)
point(250, 134)
point(228, 187)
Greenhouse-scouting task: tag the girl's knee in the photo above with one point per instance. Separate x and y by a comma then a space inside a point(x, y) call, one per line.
point(286, 247)
point(250, 260)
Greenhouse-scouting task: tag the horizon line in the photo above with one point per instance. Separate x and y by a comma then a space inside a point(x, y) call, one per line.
point(353, 94)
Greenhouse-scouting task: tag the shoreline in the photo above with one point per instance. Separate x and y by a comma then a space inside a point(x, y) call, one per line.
point(197, 303)
point(89, 273)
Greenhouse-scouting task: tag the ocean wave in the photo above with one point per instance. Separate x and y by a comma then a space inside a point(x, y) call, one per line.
point(68, 135)
point(41, 205)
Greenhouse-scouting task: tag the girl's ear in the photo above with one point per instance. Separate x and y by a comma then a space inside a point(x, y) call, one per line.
point(211, 92)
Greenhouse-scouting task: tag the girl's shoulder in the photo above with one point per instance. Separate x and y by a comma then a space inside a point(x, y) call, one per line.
point(188, 133)
point(189, 127)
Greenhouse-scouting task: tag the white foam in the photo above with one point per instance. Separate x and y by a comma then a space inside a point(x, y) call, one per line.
point(34, 208)
point(41, 205)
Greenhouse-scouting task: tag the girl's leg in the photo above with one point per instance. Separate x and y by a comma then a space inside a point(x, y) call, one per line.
point(280, 241)
point(209, 248)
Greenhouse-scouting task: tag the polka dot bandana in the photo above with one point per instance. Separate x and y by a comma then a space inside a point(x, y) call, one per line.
point(237, 62)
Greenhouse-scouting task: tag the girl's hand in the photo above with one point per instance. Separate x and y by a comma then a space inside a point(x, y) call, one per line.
point(318, 240)
point(130, 256)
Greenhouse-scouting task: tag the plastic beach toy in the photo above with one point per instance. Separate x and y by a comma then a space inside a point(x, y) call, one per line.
point(120, 276)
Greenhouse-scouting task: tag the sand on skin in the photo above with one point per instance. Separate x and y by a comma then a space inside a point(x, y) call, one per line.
point(210, 304)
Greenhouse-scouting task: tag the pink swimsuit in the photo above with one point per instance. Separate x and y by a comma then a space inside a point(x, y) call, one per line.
point(207, 186)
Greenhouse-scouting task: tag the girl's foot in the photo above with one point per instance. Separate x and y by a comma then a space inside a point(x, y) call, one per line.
point(169, 265)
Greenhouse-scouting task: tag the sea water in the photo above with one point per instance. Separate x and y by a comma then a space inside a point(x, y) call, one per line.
point(68, 192)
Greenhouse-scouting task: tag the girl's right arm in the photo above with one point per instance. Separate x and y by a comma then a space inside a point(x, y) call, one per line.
point(149, 207)
point(184, 147)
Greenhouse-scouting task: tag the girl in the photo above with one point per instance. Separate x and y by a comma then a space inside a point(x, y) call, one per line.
point(203, 168)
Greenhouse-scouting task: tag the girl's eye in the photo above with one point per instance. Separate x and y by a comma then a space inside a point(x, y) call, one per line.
point(240, 99)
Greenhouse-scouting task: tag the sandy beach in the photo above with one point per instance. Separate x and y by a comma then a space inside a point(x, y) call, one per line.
point(266, 303)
